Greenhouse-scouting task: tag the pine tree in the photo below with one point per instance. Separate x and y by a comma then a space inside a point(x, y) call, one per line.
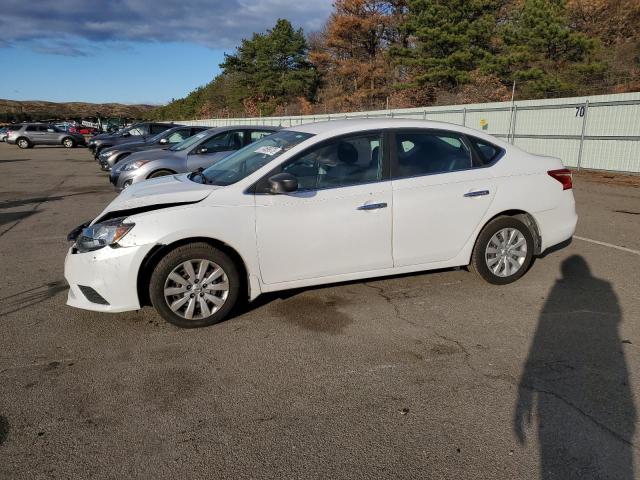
point(541, 51)
point(448, 39)
point(273, 67)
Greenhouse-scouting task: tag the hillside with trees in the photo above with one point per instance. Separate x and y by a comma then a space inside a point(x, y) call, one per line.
point(35, 110)
point(374, 54)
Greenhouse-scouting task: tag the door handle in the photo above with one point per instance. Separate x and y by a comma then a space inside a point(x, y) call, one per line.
point(477, 193)
point(372, 206)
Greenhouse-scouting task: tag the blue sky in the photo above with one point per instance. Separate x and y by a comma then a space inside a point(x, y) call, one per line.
point(130, 51)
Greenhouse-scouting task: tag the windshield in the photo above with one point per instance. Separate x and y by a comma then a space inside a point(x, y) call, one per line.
point(188, 142)
point(247, 160)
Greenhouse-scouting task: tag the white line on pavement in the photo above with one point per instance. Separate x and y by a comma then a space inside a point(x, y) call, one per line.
point(610, 245)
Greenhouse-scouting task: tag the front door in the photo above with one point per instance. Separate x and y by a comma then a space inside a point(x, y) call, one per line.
point(214, 148)
point(339, 220)
point(50, 135)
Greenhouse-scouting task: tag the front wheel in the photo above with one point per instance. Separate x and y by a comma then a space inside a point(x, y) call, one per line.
point(503, 251)
point(195, 285)
point(68, 143)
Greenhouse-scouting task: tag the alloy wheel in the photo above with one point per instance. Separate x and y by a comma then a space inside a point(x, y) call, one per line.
point(506, 252)
point(196, 289)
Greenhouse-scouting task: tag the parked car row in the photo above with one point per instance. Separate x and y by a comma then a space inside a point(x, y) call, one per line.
point(261, 209)
point(133, 154)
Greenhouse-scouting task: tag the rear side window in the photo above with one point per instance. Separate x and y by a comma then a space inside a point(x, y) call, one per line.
point(32, 128)
point(487, 152)
point(428, 153)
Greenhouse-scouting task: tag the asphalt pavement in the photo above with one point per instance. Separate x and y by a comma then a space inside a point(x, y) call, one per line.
point(431, 375)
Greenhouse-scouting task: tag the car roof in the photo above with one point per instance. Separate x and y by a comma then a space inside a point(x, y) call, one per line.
point(339, 127)
point(248, 127)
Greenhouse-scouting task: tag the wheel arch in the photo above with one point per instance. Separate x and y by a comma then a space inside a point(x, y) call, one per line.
point(171, 172)
point(159, 251)
point(22, 137)
point(524, 217)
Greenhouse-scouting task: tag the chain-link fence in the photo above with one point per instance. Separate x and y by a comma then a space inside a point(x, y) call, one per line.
point(599, 132)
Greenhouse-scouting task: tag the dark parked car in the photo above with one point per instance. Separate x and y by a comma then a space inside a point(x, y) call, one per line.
point(112, 155)
point(137, 131)
point(31, 134)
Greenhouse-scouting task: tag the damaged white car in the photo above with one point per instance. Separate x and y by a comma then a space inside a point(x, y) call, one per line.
point(321, 203)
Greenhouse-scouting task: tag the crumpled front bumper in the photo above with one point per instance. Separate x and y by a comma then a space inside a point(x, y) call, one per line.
point(111, 273)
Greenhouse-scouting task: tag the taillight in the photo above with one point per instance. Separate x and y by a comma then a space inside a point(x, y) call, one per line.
point(563, 176)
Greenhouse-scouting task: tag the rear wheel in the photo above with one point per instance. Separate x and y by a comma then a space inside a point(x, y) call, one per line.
point(503, 251)
point(160, 173)
point(195, 285)
point(23, 143)
point(68, 142)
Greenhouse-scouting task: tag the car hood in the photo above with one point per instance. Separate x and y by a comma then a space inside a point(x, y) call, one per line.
point(129, 145)
point(153, 154)
point(159, 192)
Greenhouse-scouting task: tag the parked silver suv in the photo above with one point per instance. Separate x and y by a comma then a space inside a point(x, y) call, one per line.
point(31, 134)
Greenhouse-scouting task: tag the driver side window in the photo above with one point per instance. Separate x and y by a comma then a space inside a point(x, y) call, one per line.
point(223, 142)
point(344, 162)
point(178, 136)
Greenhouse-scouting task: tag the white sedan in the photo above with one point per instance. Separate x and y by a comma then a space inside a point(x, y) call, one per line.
point(321, 203)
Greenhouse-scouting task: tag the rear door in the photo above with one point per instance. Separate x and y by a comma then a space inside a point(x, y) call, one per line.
point(441, 192)
point(35, 134)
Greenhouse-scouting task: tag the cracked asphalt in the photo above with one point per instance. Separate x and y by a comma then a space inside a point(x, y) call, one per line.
point(432, 375)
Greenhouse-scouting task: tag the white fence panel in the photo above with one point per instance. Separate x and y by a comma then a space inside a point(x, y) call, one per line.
point(600, 132)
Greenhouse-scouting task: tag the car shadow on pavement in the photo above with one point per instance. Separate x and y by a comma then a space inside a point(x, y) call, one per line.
point(576, 382)
point(10, 217)
point(33, 296)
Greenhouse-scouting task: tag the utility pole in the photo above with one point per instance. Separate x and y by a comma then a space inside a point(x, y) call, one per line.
point(513, 99)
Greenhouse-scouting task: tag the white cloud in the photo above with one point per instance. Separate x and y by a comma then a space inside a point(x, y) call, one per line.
point(212, 23)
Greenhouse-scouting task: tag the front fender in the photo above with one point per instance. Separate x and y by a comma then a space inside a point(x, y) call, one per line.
point(231, 225)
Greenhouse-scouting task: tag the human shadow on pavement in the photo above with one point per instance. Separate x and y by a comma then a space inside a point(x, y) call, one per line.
point(576, 382)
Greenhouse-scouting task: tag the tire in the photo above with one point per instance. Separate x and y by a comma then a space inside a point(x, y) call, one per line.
point(160, 173)
point(68, 142)
point(23, 143)
point(503, 252)
point(190, 295)
point(96, 152)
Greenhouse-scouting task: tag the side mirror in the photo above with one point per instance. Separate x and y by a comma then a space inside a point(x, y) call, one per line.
point(282, 183)
point(163, 141)
point(202, 150)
